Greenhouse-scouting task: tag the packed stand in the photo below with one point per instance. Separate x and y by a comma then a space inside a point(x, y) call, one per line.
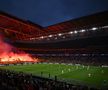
point(10, 80)
point(77, 59)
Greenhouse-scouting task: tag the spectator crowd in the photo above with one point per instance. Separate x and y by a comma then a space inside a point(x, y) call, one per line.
point(10, 80)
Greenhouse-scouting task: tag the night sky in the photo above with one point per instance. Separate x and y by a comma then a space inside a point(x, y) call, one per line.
point(48, 12)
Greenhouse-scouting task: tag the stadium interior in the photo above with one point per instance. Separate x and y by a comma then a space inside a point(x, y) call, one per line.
point(82, 41)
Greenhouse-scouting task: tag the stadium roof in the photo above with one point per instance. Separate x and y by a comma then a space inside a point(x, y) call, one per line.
point(66, 24)
point(84, 21)
point(12, 24)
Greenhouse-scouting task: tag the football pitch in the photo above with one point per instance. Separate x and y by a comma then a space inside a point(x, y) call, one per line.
point(76, 74)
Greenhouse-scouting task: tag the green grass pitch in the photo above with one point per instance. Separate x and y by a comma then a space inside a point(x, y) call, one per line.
point(89, 75)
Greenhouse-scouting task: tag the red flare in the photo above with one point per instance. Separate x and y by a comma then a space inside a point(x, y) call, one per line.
point(7, 56)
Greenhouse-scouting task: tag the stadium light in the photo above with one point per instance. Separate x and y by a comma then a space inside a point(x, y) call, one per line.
point(94, 28)
point(50, 35)
point(75, 32)
point(105, 27)
point(59, 34)
point(71, 32)
point(82, 30)
point(32, 38)
point(41, 37)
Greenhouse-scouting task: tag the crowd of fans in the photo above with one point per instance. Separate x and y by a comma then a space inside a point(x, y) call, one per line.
point(78, 59)
point(10, 80)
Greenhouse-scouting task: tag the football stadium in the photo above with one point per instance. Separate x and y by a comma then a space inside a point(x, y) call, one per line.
point(71, 55)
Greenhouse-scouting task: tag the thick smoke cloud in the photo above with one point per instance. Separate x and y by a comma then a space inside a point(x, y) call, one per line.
point(4, 47)
point(7, 54)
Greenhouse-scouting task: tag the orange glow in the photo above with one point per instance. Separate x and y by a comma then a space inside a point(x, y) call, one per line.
point(11, 55)
point(12, 58)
